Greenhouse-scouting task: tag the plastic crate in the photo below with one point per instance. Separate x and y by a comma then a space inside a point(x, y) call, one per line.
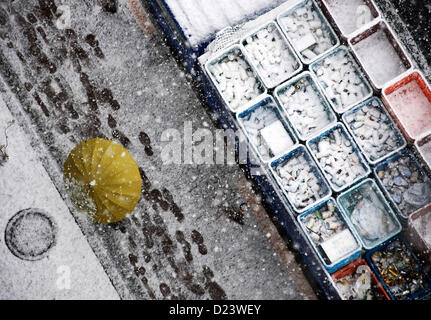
point(351, 268)
point(234, 52)
point(352, 16)
point(423, 146)
point(331, 266)
point(362, 162)
point(310, 80)
point(370, 186)
point(310, 6)
point(264, 75)
point(403, 155)
point(270, 106)
point(419, 234)
point(337, 104)
point(417, 295)
point(298, 152)
point(403, 112)
point(374, 103)
point(371, 65)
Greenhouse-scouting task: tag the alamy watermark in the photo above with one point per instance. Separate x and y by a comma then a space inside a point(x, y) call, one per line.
point(202, 146)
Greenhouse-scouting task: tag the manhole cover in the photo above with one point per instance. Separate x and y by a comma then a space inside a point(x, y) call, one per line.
point(30, 234)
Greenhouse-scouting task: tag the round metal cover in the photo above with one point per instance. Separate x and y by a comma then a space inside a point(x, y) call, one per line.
point(30, 234)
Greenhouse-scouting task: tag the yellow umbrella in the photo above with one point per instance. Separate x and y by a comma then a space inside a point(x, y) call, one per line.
point(103, 180)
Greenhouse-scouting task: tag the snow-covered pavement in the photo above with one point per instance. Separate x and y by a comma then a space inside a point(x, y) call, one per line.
point(70, 270)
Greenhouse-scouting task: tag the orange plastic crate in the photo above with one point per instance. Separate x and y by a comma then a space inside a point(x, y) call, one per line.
point(408, 121)
point(351, 268)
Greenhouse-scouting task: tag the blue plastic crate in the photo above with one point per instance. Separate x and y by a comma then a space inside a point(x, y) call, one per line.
point(408, 155)
point(269, 104)
point(357, 71)
point(363, 162)
point(312, 81)
point(271, 83)
point(301, 151)
point(422, 294)
point(345, 260)
point(357, 191)
point(401, 141)
point(236, 51)
point(312, 5)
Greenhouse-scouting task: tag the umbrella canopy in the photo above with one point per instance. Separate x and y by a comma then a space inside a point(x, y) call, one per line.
point(103, 180)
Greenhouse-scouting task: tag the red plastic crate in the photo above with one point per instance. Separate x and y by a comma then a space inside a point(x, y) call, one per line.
point(401, 121)
point(351, 268)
